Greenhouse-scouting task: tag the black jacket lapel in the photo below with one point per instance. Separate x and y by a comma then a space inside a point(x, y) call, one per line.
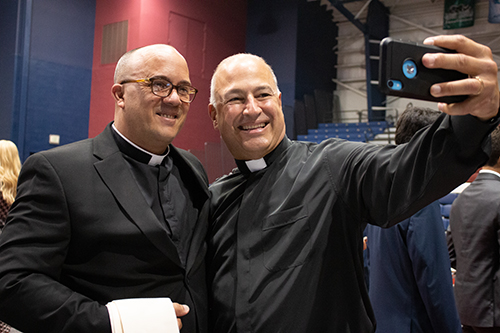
point(116, 175)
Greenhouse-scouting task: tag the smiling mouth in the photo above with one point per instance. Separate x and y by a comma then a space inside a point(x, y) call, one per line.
point(251, 127)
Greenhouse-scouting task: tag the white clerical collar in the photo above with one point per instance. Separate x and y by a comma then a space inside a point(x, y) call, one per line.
point(256, 165)
point(489, 171)
point(155, 159)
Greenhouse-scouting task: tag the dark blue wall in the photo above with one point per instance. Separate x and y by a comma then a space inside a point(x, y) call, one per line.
point(272, 34)
point(52, 71)
point(8, 19)
point(296, 37)
point(316, 58)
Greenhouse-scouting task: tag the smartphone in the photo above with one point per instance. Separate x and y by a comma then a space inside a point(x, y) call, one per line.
point(401, 72)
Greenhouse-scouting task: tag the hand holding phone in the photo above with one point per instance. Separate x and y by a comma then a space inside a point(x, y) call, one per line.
point(401, 72)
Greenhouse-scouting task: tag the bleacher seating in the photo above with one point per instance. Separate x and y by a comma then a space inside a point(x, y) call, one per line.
point(363, 132)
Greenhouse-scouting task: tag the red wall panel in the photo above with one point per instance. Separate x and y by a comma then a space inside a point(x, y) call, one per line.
point(204, 32)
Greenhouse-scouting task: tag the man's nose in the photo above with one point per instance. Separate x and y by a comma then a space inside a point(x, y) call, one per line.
point(173, 98)
point(252, 105)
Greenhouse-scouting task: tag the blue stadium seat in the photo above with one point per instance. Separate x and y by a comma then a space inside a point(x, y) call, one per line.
point(448, 199)
point(348, 131)
point(445, 203)
point(445, 210)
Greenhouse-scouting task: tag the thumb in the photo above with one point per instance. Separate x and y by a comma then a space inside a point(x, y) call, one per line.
point(180, 309)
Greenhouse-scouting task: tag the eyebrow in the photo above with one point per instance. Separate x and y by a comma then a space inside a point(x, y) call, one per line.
point(256, 89)
point(181, 83)
point(265, 87)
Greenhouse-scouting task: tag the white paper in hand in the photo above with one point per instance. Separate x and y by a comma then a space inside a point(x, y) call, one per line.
point(137, 315)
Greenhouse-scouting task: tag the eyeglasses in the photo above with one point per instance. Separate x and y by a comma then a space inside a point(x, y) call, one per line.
point(163, 88)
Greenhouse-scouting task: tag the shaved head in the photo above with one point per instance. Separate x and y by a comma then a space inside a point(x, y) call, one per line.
point(129, 61)
point(233, 61)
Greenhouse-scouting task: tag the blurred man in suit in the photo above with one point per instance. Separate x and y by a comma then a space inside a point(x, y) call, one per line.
point(410, 283)
point(475, 233)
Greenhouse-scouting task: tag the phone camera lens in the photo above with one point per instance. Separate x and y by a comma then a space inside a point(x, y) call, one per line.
point(409, 69)
point(394, 84)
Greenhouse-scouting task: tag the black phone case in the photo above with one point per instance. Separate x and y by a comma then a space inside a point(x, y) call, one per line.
point(393, 53)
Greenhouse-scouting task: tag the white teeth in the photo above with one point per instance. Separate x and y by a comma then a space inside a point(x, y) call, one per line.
point(167, 116)
point(253, 126)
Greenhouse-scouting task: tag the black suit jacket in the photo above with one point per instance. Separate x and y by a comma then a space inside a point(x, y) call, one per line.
point(475, 232)
point(81, 234)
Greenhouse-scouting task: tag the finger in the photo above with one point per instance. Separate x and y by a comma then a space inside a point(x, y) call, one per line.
point(180, 309)
point(179, 323)
point(459, 43)
point(471, 86)
point(484, 106)
point(473, 58)
point(459, 62)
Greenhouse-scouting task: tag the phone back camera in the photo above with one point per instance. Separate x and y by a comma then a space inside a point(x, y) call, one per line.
point(394, 84)
point(409, 69)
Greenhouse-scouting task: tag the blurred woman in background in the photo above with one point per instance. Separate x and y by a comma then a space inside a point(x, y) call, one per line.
point(10, 165)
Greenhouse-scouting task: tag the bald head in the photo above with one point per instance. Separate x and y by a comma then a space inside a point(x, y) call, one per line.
point(229, 64)
point(134, 59)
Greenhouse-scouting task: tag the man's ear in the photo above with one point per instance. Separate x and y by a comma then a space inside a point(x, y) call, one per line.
point(117, 92)
point(212, 112)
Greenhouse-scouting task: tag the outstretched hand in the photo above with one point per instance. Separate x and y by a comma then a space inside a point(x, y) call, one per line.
point(473, 59)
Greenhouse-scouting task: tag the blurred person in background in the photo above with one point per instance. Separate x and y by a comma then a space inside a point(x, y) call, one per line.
point(475, 234)
point(10, 165)
point(410, 285)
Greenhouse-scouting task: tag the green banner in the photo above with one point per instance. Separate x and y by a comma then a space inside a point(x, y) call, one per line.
point(458, 14)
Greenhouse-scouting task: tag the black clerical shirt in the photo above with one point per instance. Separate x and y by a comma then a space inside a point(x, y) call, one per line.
point(285, 242)
point(161, 185)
